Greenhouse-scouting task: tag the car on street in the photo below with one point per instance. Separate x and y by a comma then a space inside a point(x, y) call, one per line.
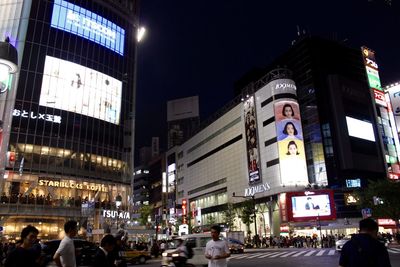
point(340, 243)
point(84, 251)
point(198, 244)
point(134, 256)
point(235, 246)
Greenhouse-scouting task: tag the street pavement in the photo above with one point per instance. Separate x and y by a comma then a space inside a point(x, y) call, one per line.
point(288, 257)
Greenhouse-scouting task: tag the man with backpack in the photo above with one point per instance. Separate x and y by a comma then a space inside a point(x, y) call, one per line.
point(364, 249)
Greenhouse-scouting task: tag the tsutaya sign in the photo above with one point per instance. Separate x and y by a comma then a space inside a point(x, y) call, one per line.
point(115, 214)
point(251, 191)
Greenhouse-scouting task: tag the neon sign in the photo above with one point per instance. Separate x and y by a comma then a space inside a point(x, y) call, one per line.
point(84, 23)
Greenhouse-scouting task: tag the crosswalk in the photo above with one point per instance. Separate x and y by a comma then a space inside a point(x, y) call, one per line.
point(295, 253)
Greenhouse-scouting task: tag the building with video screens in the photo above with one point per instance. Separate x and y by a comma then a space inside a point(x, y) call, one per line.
point(70, 153)
point(296, 141)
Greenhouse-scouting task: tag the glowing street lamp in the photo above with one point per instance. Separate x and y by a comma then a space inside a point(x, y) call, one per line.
point(140, 34)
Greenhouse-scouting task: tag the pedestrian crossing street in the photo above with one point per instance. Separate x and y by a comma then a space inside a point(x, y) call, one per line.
point(295, 253)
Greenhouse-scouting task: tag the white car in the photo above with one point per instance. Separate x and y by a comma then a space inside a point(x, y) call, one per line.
point(197, 242)
point(340, 243)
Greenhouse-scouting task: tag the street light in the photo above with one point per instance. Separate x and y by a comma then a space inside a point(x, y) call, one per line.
point(140, 34)
point(118, 202)
point(254, 210)
point(320, 230)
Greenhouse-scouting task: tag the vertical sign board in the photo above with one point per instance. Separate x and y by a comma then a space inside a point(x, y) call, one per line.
point(390, 141)
point(184, 211)
point(250, 127)
point(289, 132)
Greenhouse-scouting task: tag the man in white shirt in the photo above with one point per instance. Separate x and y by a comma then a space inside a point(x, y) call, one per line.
point(217, 250)
point(65, 254)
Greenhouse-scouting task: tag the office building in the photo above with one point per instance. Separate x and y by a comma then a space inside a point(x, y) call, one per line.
point(71, 143)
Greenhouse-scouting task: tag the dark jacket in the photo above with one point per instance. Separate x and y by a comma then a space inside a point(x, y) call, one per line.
point(363, 250)
point(21, 257)
point(101, 260)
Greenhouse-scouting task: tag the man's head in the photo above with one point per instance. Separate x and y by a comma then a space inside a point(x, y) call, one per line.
point(71, 228)
point(215, 231)
point(369, 226)
point(29, 235)
point(108, 243)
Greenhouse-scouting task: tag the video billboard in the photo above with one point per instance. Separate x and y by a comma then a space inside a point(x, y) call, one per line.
point(84, 23)
point(250, 126)
point(360, 129)
point(311, 205)
point(394, 95)
point(289, 134)
point(75, 88)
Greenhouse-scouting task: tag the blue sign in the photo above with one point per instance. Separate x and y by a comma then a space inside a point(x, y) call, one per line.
point(82, 22)
point(351, 183)
point(367, 212)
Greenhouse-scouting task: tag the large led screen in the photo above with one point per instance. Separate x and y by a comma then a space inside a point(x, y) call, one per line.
point(360, 129)
point(75, 88)
point(311, 206)
point(82, 22)
point(289, 133)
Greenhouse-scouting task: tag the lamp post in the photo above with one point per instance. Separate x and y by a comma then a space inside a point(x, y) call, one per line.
point(118, 202)
point(8, 69)
point(320, 230)
point(254, 210)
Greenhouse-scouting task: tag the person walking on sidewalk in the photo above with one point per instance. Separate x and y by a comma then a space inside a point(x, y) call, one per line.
point(65, 254)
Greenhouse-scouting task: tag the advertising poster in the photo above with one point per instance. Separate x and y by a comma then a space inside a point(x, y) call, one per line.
point(250, 125)
point(394, 94)
point(290, 143)
point(311, 206)
point(75, 88)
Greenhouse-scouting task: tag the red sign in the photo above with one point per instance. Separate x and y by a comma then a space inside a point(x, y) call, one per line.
point(284, 228)
point(389, 223)
point(184, 210)
point(379, 97)
point(310, 205)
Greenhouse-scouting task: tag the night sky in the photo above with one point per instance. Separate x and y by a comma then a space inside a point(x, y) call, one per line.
point(202, 47)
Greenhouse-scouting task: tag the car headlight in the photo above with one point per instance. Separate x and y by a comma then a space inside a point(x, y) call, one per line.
point(175, 255)
point(164, 254)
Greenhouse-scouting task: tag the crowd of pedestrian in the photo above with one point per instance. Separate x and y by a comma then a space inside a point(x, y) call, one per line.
point(297, 241)
point(36, 199)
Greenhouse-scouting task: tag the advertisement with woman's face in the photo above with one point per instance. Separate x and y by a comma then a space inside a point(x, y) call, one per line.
point(290, 143)
point(292, 162)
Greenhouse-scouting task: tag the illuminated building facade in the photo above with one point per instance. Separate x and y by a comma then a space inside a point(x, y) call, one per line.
point(70, 152)
point(327, 95)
